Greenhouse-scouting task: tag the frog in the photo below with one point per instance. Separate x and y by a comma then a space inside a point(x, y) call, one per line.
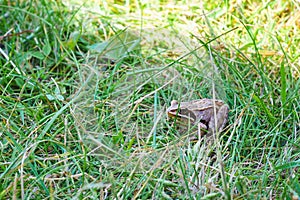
point(200, 113)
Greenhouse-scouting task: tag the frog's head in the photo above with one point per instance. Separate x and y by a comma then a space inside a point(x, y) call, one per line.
point(180, 110)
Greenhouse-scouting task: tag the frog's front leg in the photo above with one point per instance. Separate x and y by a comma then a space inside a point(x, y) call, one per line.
point(202, 129)
point(221, 119)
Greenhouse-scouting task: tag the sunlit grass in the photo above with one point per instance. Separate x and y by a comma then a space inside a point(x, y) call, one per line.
point(84, 91)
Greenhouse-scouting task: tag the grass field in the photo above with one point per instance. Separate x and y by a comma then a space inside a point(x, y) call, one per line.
point(84, 89)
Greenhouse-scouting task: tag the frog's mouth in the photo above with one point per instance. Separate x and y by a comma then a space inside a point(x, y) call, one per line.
point(172, 115)
point(181, 117)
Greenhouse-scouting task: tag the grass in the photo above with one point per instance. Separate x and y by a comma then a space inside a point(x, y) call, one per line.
point(84, 89)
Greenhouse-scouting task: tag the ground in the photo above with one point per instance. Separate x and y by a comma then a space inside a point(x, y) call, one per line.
point(84, 88)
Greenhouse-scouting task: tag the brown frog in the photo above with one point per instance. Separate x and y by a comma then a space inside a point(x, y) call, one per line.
point(201, 112)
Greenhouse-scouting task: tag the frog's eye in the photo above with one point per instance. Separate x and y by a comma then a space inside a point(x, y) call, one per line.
point(174, 102)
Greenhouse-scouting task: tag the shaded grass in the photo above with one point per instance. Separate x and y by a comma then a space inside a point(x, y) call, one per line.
point(91, 124)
